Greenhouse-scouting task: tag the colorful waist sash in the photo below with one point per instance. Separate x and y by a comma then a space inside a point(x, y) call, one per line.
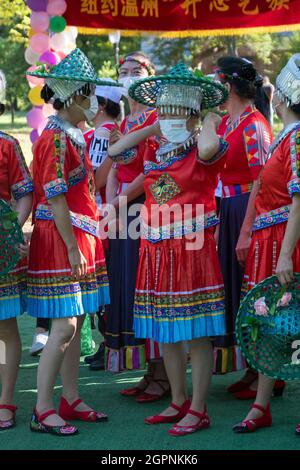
point(236, 189)
point(83, 222)
point(178, 229)
point(267, 219)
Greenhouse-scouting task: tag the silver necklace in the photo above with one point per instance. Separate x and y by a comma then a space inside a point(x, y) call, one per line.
point(169, 150)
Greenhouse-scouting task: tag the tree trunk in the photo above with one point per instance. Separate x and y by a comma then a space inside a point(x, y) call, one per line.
point(232, 46)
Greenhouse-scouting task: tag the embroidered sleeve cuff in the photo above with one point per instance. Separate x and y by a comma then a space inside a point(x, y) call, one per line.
point(223, 146)
point(55, 187)
point(126, 156)
point(22, 188)
point(294, 187)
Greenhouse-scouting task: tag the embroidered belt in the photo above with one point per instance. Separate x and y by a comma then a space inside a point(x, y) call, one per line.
point(83, 222)
point(277, 216)
point(178, 229)
point(236, 189)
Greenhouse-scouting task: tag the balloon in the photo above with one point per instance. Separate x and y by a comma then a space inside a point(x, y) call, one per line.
point(39, 43)
point(58, 41)
point(34, 80)
point(35, 96)
point(50, 58)
point(35, 117)
point(39, 21)
point(37, 5)
point(42, 126)
point(31, 57)
point(48, 110)
point(57, 24)
point(72, 32)
point(56, 7)
point(34, 136)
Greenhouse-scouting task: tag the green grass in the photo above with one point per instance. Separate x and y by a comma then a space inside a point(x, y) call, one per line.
point(126, 430)
point(19, 126)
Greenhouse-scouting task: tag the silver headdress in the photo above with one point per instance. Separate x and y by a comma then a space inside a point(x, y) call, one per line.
point(175, 98)
point(288, 81)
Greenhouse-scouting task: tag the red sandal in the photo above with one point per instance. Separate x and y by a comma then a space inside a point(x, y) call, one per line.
point(68, 412)
point(146, 397)
point(37, 425)
point(136, 391)
point(181, 412)
point(8, 423)
point(249, 394)
point(183, 430)
point(251, 425)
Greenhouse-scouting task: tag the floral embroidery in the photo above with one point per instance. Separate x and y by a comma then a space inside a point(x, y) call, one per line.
point(76, 175)
point(149, 166)
point(277, 216)
point(294, 184)
point(55, 187)
point(164, 189)
point(22, 188)
point(126, 156)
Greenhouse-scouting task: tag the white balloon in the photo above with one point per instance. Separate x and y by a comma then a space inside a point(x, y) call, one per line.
point(59, 41)
point(31, 57)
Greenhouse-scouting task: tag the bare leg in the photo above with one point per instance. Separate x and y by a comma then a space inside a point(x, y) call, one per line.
point(9, 334)
point(70, 369)
point(263, 396)
point(175, 363)
point(201, 352)
point(62, 332)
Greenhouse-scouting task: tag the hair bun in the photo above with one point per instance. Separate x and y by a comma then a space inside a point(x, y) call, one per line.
point(248, 72)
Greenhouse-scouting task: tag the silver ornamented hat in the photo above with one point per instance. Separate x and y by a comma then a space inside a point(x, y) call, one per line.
point(288, 81)
point(2, 87)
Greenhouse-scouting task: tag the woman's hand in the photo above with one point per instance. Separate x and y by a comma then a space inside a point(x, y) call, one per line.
point(242, 247)
point(77, 261)
point(284, 269)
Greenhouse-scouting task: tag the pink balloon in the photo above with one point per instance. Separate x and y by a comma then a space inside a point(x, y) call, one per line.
point(40, 43)
point(34, 136)
point(56, 7)
point(31, 57)
point(35, 117)
point(34, 80)
point(59, 41)
point(50, 58)
point(48, 110)
point(39, 21)
point(42, 126)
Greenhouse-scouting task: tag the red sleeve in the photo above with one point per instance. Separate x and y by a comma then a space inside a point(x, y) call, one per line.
point(52, 168)
point(257, 139)
point(20, 181)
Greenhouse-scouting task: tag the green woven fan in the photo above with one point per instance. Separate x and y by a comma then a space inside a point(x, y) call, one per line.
point(10, 237)
point(268, 328)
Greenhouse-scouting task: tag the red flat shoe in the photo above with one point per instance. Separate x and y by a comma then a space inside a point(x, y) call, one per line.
point(297, 430)
point(249, 394)
point(8, 423)
point(37, 425)
point(136, 391)
point(146, 397)
point(244, 383)
point(160, 419)
point(203, 423)
point(68, 412)
point(251, 425)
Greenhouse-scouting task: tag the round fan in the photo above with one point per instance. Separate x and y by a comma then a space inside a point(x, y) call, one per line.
point(268, 328)
point(10, 237)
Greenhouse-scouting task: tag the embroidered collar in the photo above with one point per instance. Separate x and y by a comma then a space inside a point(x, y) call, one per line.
point(282, 135)
point(138, 121)
point(168, 150)
point(231, 126)
point(73, 132)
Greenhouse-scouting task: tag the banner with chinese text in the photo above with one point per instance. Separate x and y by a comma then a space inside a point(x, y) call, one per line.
point(179, 18)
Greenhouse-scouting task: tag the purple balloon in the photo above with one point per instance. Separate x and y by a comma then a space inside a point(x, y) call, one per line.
point(35, 117)
point(37, 5)
point(34, 136)
point(49, 58)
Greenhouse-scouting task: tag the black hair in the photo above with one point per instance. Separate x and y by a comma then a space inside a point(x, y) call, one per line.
point(296, 109)
point(139, 54)
point(2, 109)
point(245, 79)
point(47, 93)
point(113, 109)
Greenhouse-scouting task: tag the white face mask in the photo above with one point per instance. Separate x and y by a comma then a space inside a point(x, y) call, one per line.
point(174, 130)
point(90, 112)
point(127, 82)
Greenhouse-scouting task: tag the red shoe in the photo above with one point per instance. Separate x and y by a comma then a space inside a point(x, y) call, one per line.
point(146, 397)
point(245, 383)
point(68, 412)
point(251, 425)
point(249, 394)
point(181, 412)
point(297, 430)
point(8, 423)
point(37, 425)
point(203, 423)
point(136, 391)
